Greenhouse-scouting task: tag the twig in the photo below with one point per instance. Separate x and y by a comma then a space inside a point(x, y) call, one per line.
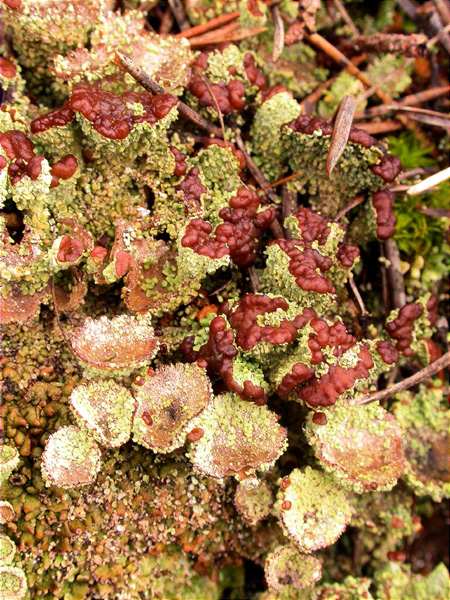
point(438, 365)
point(425, 95)
point(443, 9)
point(216, 105)
point(430, 117)
point(436, 213)
point(285, 179)
point(429, 182)
point(357, 295)
point(412, 44)
point(346, 17)
point(415, 172)
point(288, 206)
point(341, 131)
point(147, 83)
point(218, 36)
point(278, 34)
point(177, 9)
point(212, 37)
point(254, 279)
point(254, 170)
point(212, 24)
point(395, 277)
point(356, 201)
point(379, 127)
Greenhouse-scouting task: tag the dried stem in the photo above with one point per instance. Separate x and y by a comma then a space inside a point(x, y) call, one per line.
point(219, 36)
point(151, 86)
point(254, 279)
point(216, 105)
point(395, 277)
point(278, 35)
point(346, 17)
point(288, 207)
point(212, 24)
point(429, 182)
point(357, 295)
point(356, 201)
point(177, 9)
point(254, 170)
point(438, 365)
point(380, 127)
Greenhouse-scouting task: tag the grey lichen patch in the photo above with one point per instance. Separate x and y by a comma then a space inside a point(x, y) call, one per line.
point(361, 445)
point(287, 570)
point(425, 421)
point(238, 438)
point(106, 409)
point(253, 499)
point(313, 510)
point(13, 585)
point(7, 512)
point(9, 460)
point(266, 132)
point(71, 458)
point(123, 342)
point(167, 403)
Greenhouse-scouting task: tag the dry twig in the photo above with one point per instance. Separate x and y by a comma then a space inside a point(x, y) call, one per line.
point(278, 35)
point(395, 277)
point(177, 9)
point(429, 182)
point(438, 365)
point(341, 131)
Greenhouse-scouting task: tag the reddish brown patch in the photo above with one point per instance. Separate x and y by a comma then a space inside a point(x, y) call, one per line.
point(383, 203)
point(7, 68)
point(70, 249)
point(196, 434)
point(319, 418)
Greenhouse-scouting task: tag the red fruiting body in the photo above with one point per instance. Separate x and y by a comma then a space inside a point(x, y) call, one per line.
point(197, 236)
point(307, 266)
point(110, 114)
point(7, 68)
point(286, 505)
point(291, 381)
point(313, 226)
point(70, 249)
point(192, 188)
point(195, 435)
point(147, 418)
point(401, 328)
point(432, 308)
point(319, 418)
point(388, 168)
point(20, 150)
point(122, 263)
point(99, 253)
point(248, 333)
point(63, 169)
point(383, 202)
point(243, 226)
point(229, 97)
point(285, 483)
point(325, 335)
point(387, 352)
point(2, 162)
point(14, 4)
point(56, 118)
point(361, 137)
point(272, 91)
point(219, 352)
point(347, 255)
point(253, 8)
point(180, 162)
point(326, 390)
point(254, 75)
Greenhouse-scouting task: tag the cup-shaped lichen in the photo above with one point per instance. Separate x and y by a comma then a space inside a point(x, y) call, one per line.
point(237, 438)
point(253, 499)
point(120, 343)
point(13, 585)
point(71, 458)
point(7, 512)
point(167, 402)
point(314, 511)
point(7, 549)
point(361, 445)
point(287, 570)
point(9, 460)
point(106, 409)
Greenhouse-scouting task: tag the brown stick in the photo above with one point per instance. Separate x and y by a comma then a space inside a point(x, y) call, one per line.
point(254, 279)
point(395, 277)
point(151, 86)
point(288, 207)
point(425, 95)
point(212, 24)
point(356, 201)
point(438, 365)
point(218, 36)
point(380, 127)
point(254, 170)
point(357, 295)
point(346, 17)
point(177, 9)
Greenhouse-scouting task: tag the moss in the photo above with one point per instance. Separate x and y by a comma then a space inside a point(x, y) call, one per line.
point(9, 460)
point(395, 582)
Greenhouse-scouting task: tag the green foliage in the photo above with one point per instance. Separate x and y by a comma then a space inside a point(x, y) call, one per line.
point(410, 150)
